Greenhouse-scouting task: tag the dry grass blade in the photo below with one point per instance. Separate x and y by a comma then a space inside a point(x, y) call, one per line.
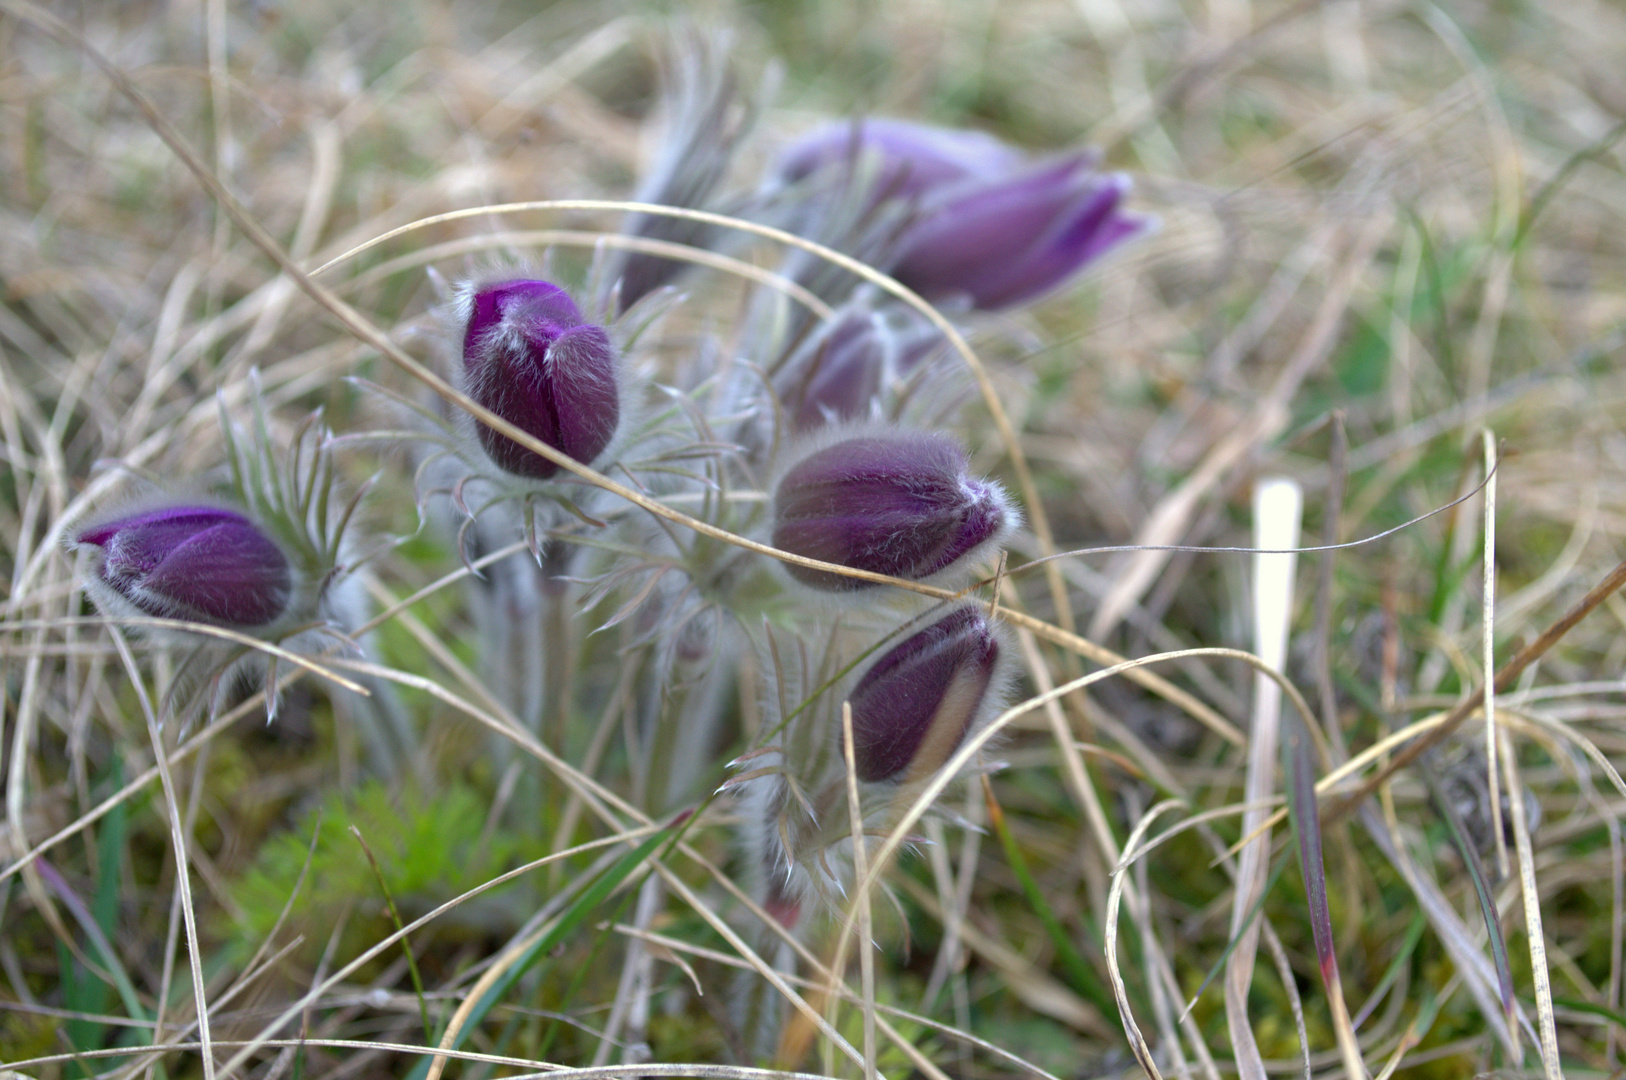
point(1552, 1065)
point(180, 847)
point(221, 633)
point(1488, 652)
point(860, 900)
point(1306, 818)
point(1277, 507)
point(1132, 851)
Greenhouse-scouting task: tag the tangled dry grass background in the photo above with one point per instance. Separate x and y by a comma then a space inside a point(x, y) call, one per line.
point(1388, 229)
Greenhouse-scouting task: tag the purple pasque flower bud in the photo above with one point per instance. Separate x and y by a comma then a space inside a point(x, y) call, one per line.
point(915, 705)
point(192, 562)
point(530, 357)
point(898, 503)
point(1009, 239)
point(844, 373)
point(853, 366)
point(912, 158)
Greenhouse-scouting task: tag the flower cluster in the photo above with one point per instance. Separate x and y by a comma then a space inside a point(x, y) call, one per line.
point(903, 504)
point(813, 425)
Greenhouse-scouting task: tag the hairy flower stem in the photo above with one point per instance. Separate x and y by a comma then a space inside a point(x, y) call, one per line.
point(559, 645)
point(757, 1007)
point(508, 607)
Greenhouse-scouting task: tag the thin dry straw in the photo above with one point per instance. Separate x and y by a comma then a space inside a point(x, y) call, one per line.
point(866, 930)
point(1132, 851)
point(1197, 549)
point(1488, 646)
point(1551, 1063)
point(202, 630)
point(582, 238)
point(183, 872)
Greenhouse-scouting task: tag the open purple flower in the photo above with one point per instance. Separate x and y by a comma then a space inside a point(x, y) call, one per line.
point(912, 158)
point(193, 562)
point(915, 705)
point(990, 223)
point(1005, 241)
point(530, 357)
point(900, 503)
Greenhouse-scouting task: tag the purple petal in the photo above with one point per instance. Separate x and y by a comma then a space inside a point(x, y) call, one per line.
point(587, 399)
point(847, 372)
point(538, 301)
point(228, 573)
point(962, 240)
point(137, 544)
point(1095, 227)
point(1016, 239)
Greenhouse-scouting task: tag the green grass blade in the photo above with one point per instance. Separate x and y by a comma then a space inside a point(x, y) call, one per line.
point(573, 918)
point(1306, 821)
point(1591, 1008)
point(1079, 973)
point(406, 946)
point(1253, 913)
point(1408, 945)
point(112, 966)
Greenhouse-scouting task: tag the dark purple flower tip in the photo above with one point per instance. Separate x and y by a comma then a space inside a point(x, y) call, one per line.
point(915, 705)
point(1017, 237)
point(912, 158)
point(194, 562)
point(530, 357)
point(899, 504)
